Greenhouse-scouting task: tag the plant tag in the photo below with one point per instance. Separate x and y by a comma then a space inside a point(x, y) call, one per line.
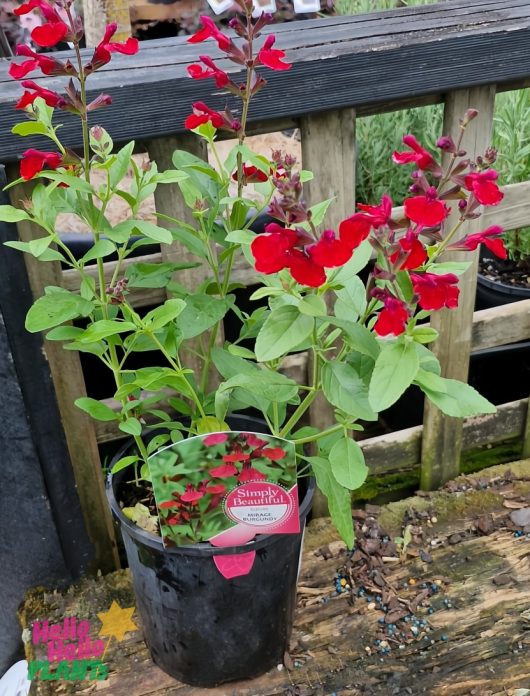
point(225, 488)
point(261, 6)
point(302, 6)
point(220, 6)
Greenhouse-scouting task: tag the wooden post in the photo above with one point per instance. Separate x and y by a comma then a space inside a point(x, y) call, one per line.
point(328, 150)
point(79, 429)
point(98, 13)
point(169, 201)
point(442, 436)
point(526, 435)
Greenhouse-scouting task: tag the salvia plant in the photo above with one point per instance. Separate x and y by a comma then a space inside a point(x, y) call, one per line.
point(365, 351)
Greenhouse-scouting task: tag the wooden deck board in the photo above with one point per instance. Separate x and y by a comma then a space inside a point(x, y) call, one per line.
point(487, 629)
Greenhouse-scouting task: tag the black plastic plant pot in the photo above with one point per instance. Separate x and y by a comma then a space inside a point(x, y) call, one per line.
point(200, 627)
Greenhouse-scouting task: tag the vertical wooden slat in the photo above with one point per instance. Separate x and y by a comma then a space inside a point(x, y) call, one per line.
point(328, 150)
point(526, 435)
point(169, 201)
point(69, 383)
point(98, 13)
point(442, 436)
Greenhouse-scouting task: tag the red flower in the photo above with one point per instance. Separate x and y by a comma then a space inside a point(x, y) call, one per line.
point(272, 57)
point(273, 453)
point(252, 174)
point(304, 271)
point(251, 474)
point(49, 34)
point(34, 161)
point(215, 439)
point(414, 250)
point(378, 215)
point(483, 185)
point(270, 250)
point(254, 440)
point(329, 251)
point(426, 210)
point(47, 10)
point(168, 504)
point(210, 31)
point(435, 291)
point(223, 471)
point(393, 318)
point(417, 154)
point(197, 72)
point(102, 52)
point(216, 488)
point(51, 98)
point(48, 66)
point(490, 239)
point(203, 114)
point(236, 457)
point(355, 230)
point(191, 495)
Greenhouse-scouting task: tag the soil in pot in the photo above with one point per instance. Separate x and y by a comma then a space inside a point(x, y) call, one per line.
point(200, 627)
point(501, 282)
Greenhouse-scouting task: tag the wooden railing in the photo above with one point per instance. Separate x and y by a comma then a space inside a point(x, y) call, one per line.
point(460, 53)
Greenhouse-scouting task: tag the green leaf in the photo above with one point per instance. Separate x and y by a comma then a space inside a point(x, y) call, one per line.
point(131, 426)
point(64, 333)
point(9, 213)
point(345, 389)
point(190, 240)
point(351, 300)
point(240, 237)
point(347, 463)
point(424, 334)
point(29, 128)
point(240, 351)
point(162, 315)
point(201, 313)
point(456, 267)
point(272, 386)
point(159, 234)
point(394, 371)
point(72, 181)
point(102, 248)
point(339, 498)
point(170, 176)
point(318, 211)
point(198, 184)
point(458, 400)
point(39, 246)
point(306, 175)
point(359, 337)
point(105, 328)
point(56, 307)
point(153, 275)
point(96, 409)
point(121, 164)
point(123, 463)
point(313, 306)
point(284, 329)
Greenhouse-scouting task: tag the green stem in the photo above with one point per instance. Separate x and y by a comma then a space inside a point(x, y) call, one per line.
point(299, 412)
point(317, 436)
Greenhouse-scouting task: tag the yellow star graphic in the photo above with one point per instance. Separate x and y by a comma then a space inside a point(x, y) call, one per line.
point(117, 622)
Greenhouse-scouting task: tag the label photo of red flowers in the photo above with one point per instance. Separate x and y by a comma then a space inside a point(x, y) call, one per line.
point(225, 487)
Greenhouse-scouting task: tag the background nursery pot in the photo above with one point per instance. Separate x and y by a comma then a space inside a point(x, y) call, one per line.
point(200, 627)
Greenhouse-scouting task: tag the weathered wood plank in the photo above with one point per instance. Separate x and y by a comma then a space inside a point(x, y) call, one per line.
point(329, 151)
point(401, 450)
point(340, 63)
point(442, 436)
point(479, 642)
point(498, 326)
point(79, 430)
